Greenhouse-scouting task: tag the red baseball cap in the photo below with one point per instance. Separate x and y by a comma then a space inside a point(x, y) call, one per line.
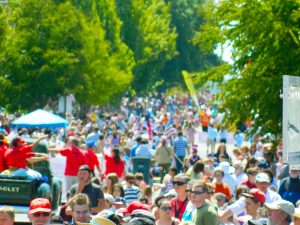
point(134, 206)
point(256, 193)
point(40, 205)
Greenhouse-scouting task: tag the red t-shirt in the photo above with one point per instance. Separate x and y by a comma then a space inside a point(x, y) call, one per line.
point(248, 184)
point(113, 167)
point(3, 149)
point(75, 158)
point(178, 207)
point(92, 159)
point(223, 188)
point(16, 156)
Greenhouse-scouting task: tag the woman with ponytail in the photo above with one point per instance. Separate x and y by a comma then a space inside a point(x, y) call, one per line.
point(114, 163)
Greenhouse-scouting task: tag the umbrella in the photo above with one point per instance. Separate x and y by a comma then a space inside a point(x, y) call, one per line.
point(41, 119)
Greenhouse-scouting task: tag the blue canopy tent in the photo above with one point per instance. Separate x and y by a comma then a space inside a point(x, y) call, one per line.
point(40, 119)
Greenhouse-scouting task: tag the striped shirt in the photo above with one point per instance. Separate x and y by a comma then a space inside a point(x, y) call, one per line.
point(131, 194)
point(180, 145)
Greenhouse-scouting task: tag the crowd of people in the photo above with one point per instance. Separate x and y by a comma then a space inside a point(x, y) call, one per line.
point(184, 183)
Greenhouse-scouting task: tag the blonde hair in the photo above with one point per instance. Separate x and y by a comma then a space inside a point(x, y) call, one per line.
point(8, 210)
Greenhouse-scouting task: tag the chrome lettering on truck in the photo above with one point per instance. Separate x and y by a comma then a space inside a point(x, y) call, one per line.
point(9, 189)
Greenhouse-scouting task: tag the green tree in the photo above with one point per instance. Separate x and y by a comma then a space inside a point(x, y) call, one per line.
point(146, 30)
point(103, 71)
point(41, 59)
point(264, 36)
point(186, 19)
point(52, 49)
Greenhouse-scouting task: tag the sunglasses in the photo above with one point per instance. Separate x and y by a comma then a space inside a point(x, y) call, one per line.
point(38, 214)
point(188, 191)
point(211, 193)
point(166, 208)
point(197, 192)
point(178, 183)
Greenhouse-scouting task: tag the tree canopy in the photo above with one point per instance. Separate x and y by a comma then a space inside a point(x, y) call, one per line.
point(265, 40)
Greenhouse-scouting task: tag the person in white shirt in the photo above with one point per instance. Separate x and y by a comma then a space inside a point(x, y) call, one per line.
point(239, 174)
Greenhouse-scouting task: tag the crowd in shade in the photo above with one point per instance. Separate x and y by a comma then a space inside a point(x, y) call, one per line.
point(143, 163)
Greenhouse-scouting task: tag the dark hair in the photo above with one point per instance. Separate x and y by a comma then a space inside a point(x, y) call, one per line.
point(252, 160)
point(198, 167)
point(119, 186)
point(173, 169)
point(241, 189)
point(117, 156)
point(139, 176)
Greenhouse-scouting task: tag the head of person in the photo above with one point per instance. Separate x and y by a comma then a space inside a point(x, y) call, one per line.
point(240, 190)
point(262, 182)
point(238, 166)
point(180, 183)
point(139, 178)
point(251, 163)
point(81, 208)
point(198, 167)
point(118, 191)
point(40, 211)
point(130, 179)
point(280, 212)
point(252, 172)
point(294, 173)
point(115, 153)
point(199, 193)
point(296, 216)
point(164, 209)
point(147, 192)
point(218, 175)
point(221, 199)
point(109, 200)
point(75, 142)
point(84, 174)
point(17, 141)
point(7, 215)
point(180, 133)
point(111, 180)
point(189, 189)
point(255, 199)
point(211, 191)
point(172, 171)
point(222, 149)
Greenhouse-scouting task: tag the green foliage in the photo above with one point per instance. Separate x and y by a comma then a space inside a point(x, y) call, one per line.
point(104, 76)
point(186, 19)
point(146, 30)
point(265, 39)
point(41, 58)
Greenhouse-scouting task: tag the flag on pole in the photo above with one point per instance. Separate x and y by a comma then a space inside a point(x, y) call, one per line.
point(191, 88)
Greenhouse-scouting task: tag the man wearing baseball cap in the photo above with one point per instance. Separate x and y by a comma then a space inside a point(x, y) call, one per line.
point(40, 211)
point(85, 185)
point(280, 212)
point(263, 183)
point(254, 200)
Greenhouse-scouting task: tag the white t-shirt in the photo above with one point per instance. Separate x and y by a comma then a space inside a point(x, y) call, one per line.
point(239, 206)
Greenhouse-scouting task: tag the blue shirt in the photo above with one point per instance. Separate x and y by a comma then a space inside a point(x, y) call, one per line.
point(180, 145)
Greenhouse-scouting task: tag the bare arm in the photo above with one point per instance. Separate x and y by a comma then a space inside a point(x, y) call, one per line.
point(100, 207)
point(38, 140)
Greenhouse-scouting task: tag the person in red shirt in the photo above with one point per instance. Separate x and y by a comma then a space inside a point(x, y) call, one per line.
point(92, 159)
point(204, 118)
point(3, 149)
point(114, 163)
point(18, 154)
point(75, 159)
point(219, 185)
point(251, 181)
point(179, 203)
